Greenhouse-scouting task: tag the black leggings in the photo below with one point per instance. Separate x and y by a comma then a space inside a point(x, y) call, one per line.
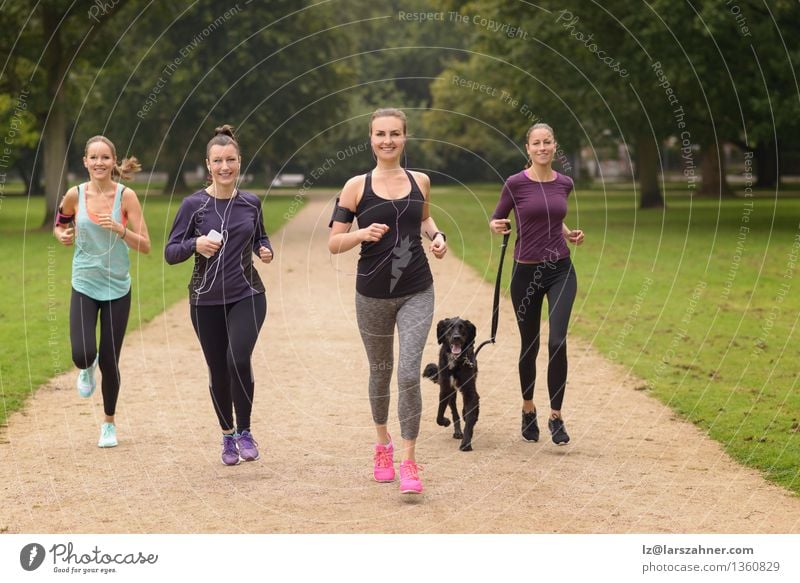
point(530, 283)
point(83, 312)
point(228, 335)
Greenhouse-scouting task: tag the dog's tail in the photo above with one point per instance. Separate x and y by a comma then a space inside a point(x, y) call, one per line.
point(431, 372)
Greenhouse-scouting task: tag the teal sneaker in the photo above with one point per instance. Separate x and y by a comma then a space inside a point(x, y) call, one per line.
point(108, 435)
point(86, 382)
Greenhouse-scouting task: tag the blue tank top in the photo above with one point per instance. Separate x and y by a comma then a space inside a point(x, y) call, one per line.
point(100, 264)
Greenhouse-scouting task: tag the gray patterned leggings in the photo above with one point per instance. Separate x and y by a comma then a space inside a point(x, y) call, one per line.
point(413, 315)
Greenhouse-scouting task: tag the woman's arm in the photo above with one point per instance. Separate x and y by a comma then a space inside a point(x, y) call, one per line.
point(135, 232)
point(64, 227)
point(261, 245)
point(438, 240)
point(499, 222)
point(181, 245)
point(575, 236)
point(340, 238)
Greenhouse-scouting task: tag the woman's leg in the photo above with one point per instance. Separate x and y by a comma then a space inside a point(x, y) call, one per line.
point(82, 329)
point(376, 321)
point(560, 299)
point(210, 327)
point(414, 320)
point(113, 323)
point(244, 322)
point(527, 297)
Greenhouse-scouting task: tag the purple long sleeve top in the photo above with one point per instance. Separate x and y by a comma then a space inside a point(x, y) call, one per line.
point(229, 275)
point(539, 209)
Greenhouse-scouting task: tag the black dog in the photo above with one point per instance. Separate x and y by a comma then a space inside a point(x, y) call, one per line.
point(457, 369)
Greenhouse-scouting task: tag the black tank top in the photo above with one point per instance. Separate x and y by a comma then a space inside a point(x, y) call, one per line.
point(396, 265)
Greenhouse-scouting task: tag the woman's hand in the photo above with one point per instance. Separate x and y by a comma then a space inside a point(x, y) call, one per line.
point(438, 246)
point(66, 236)
point(108, 223)
point(206, 247)
point(500, 226)
point(265, 254)
point(374, 232)
point(575, 236)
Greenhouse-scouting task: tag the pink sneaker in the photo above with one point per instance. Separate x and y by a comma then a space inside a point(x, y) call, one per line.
point(409, 478)
point(384, 462)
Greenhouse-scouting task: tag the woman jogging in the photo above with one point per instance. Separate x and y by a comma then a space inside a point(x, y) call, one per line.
point(394, 285)
point(222, 227)
point(542, 267)
point(103, 219)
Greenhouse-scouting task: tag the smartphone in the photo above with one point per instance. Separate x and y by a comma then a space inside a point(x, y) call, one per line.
point(216, 237)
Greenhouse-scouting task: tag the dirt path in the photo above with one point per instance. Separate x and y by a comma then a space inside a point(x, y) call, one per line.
point(631, 467)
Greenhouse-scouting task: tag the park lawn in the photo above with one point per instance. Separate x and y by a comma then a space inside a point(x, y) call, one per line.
point(35, 273)
point(700, 300)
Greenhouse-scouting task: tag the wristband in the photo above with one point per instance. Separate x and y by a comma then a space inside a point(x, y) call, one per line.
point(439, 233)
point(125, 232)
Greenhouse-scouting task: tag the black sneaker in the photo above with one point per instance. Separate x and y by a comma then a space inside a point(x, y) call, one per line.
point(530, 428)
point(558, 431)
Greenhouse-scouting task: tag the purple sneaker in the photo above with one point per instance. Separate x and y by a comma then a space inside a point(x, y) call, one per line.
point(248, 447)
point(230, 453)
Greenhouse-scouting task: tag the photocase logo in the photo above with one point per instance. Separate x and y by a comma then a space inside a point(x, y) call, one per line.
point(31, 556)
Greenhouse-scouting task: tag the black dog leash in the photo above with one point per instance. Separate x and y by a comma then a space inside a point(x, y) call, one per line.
point(496, 307)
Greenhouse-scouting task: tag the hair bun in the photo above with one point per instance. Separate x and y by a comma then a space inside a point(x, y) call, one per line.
point(224, 130)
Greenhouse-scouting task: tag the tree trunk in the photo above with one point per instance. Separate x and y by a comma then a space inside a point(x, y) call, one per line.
point(647, 172)
point(176, 182)
point(55, 157)
point(712, 172)
point(767, 164)
point(30, 169)
point(27, 179)
point(35, 187)
point(54, 134)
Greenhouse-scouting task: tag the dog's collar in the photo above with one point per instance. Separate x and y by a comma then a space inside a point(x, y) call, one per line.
point(452, 361)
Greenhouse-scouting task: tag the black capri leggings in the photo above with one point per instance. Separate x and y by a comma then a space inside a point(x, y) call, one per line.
point(530, 283)
point(228, 335)
point(114, 314)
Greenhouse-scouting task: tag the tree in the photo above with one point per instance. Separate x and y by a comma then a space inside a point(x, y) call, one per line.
point(270, 69)
point(50, 39)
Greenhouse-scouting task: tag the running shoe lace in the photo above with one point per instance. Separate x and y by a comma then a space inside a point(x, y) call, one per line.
point(246, 441)
point(410, 470)
point(383, 459)
point(229, 446)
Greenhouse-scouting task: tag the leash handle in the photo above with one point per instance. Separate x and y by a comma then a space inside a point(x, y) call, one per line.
point(496, 304)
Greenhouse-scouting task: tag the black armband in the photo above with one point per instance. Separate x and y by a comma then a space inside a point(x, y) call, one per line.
point(341, 214)
point(62, 219)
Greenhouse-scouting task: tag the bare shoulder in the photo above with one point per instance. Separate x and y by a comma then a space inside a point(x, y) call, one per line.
point(129, 198)
point(352, 191)
point(128, 193)
point(423, 180)
point(71, 194)
point(70, 201)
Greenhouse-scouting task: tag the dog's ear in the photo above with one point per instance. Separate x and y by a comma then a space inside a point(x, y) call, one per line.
point(471, 332)
point(441, 330)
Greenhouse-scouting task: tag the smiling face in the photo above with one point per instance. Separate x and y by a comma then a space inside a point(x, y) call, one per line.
point(388, 137)
point(99, 160)
point(541, 147)
point(223, 164)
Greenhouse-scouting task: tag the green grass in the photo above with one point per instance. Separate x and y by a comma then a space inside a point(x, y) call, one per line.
point(705, 313)
point(35, 273)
